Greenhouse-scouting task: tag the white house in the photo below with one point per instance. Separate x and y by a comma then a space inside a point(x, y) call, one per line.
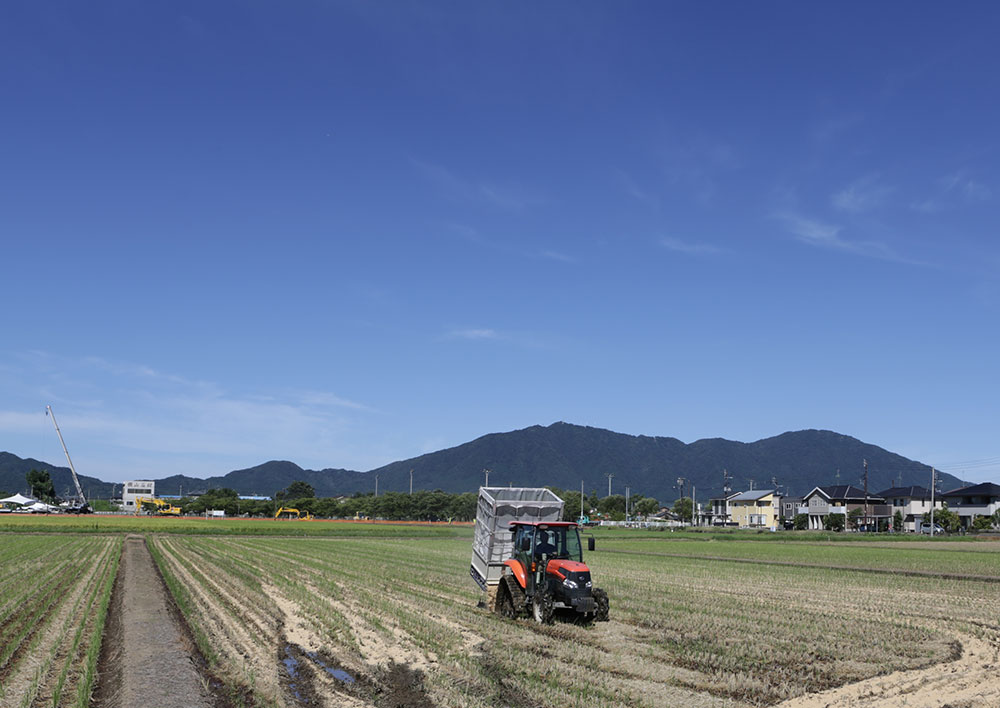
point(914, 503)
point(976, 500)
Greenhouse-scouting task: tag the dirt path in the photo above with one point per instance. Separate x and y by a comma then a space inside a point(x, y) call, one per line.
point(968, 682)
point(149, 658)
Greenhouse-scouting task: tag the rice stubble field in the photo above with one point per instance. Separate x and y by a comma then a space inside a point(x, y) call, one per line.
point(365, 618)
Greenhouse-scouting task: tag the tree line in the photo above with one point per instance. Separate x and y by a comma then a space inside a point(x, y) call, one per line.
point(398, 506)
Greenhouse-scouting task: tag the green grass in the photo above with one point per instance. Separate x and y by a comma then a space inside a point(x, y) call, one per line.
point(97, 524)
point(984, 560)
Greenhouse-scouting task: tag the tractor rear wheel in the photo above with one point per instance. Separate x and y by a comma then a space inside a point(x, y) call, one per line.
point(504, 604)
point(542, 607)
point(601, 600)
point(510, 597)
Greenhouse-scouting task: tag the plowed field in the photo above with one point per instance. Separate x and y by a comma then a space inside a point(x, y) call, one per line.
point(386, 622)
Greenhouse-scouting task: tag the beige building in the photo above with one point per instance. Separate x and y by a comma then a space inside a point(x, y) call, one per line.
point(756, 509)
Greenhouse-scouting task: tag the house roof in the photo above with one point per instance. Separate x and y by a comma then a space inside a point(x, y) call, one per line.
point(985, 489)
point(843, 491)
point(752, 495)
point(911, 492)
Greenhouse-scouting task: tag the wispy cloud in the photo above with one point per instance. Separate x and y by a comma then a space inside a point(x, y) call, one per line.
point(474, 236)
point(820, 234)
point(691, 248)
point(151, 417)
point(953, 190)
point(509, 196)
point(697, 164)
point(862, 195)
point(475, 333)
point(632, 188)
point(557, 256)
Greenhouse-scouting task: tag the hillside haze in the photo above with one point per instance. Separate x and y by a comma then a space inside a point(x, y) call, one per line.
point(562, 455)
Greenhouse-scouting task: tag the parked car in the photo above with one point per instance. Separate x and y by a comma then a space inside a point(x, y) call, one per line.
point(926, 528)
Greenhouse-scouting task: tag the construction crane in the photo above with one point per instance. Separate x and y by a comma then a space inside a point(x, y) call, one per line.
point(80, 505)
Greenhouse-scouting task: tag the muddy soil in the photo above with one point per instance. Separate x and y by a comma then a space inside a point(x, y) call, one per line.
point(146, 658)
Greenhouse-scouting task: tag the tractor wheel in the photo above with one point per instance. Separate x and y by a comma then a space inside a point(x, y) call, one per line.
point(504, 603)
point(541, 607)
point(601, 600)
point(510, 598)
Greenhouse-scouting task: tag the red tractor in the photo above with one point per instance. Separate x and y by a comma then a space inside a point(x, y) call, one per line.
point(546, 573)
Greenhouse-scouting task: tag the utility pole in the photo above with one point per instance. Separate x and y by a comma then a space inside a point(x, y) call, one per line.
point(627, 490)
point(933, 484)
point(581, 498)
point(411, 483)
point(866, 495)
point(376, 485)
point(609, 475)
point(727, 489)
point(694, 505)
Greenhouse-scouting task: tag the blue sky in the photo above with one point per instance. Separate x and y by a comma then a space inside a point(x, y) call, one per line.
point(346, 233)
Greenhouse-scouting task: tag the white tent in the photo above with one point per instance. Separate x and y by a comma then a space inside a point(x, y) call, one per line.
point(43, 508)
point(18, 499)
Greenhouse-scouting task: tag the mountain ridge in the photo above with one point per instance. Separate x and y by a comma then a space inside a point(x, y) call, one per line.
point(562, 455)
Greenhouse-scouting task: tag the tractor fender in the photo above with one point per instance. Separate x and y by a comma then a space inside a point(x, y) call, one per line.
point(517, 569)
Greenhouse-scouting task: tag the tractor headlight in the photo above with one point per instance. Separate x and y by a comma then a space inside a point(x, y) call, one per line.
point(571, 584)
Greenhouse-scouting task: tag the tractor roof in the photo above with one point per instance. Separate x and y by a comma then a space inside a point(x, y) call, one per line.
point(543, 524)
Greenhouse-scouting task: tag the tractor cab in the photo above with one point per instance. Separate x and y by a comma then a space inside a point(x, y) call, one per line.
point(547, 566)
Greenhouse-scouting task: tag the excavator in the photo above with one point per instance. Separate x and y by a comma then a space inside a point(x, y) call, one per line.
point(304, 515)
point(161, 507)
point(78, 505)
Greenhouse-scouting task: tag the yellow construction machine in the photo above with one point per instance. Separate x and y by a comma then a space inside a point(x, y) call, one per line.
point(287, 512)
point(162, 507)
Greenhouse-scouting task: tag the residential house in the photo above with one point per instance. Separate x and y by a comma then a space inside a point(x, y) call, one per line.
point(843, 499)
point(718, 513)
point(976, 500)
point(789, 508)
point(913, 503)
point(757, 509)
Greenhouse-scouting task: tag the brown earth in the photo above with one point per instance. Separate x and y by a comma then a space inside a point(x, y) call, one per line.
point(970, 681)
point(146, 657)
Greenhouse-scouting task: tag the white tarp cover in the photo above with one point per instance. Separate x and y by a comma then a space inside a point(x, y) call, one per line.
point(42, 506)
point(18, 499)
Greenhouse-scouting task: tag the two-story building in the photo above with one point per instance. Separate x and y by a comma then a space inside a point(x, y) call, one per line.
point(718, 512)
point(756, 509)
point(789, 508)
point(913, 503)
point(843, 499)
point(134, 489)
point(972, 501)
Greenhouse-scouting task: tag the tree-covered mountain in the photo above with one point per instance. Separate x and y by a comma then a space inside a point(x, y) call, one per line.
point(563, 455)
point(14, 470)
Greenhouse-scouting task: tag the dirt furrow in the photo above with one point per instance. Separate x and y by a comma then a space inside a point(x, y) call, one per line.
point(154, 665)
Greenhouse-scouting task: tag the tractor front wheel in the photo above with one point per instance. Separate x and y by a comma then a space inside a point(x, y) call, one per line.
point(601, 600)
point(541, 607)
